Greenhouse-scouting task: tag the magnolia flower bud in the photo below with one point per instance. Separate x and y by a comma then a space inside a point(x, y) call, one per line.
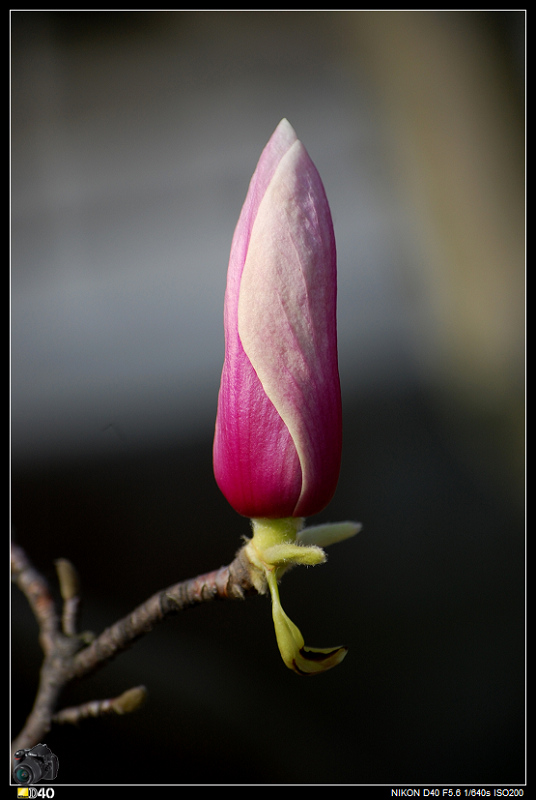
point(277, 444)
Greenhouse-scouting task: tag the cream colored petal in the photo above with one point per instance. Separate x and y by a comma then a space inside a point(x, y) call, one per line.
point(286, 318)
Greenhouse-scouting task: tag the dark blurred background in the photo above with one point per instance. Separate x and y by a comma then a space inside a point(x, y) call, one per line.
point(133, 139)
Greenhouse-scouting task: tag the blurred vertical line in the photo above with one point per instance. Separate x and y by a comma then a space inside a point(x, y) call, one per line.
point(453, 127)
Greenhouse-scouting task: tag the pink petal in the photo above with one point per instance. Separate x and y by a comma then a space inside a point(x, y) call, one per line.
point(278, 431)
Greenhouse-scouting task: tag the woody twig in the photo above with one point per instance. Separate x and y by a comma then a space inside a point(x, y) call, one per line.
point(69, 655)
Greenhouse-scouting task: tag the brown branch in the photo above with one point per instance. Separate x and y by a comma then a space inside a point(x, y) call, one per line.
point(34, 586)
point(67, 654)
point(226, 583)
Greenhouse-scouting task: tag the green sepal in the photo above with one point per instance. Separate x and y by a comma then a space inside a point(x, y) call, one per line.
point(296, 656)
point(276, 546)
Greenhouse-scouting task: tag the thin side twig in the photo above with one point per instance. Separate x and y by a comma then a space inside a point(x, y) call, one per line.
point(36, 590)
point(68, 655)
point(70, 594)
point(124, 704)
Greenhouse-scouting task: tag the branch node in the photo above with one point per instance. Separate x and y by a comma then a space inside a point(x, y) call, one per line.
point(69, 655)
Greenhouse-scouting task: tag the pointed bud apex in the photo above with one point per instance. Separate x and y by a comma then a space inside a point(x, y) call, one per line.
point(68, 579)
point(130, 700)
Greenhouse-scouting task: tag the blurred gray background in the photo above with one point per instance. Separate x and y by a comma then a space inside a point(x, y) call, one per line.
point(133, 139)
